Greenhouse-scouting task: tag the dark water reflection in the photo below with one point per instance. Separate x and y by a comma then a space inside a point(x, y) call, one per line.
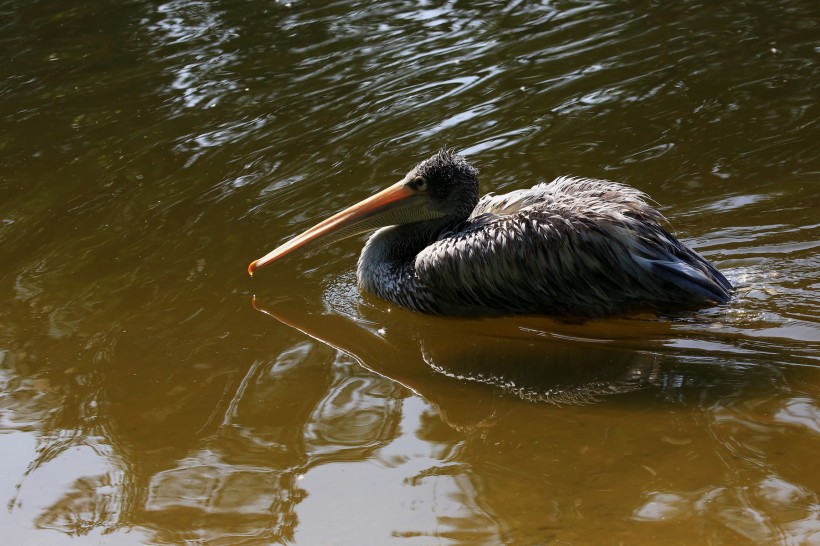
point(151, 150)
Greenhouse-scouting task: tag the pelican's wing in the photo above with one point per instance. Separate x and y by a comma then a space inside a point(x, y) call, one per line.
point(574, 246)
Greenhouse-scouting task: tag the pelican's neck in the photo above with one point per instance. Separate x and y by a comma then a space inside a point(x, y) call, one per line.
point(387, 264)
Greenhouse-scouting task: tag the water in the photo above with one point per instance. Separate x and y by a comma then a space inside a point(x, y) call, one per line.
point(150, 151)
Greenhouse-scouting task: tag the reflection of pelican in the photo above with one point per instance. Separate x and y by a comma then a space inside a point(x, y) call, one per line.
point(574, 246)
point(495, 353)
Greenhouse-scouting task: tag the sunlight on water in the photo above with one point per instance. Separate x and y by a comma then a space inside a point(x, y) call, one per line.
point(151, 393)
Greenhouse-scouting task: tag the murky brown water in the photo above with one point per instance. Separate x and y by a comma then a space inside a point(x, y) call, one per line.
point(150, 151)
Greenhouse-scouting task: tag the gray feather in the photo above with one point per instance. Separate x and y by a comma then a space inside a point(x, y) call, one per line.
point(575, 246)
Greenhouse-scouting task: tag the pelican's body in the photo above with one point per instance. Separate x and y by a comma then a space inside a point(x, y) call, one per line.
point(571, 247)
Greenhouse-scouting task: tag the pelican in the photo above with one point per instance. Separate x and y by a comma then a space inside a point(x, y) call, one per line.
point(575, 246)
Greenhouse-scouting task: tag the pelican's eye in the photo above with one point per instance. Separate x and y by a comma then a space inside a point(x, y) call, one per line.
point(420, 183)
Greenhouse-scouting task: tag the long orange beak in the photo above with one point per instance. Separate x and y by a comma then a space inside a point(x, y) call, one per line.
point(386, 208)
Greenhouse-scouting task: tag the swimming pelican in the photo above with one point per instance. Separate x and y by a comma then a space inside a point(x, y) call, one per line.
point(575, 246)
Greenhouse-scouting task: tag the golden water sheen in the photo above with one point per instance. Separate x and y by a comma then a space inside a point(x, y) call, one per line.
point(150, 151)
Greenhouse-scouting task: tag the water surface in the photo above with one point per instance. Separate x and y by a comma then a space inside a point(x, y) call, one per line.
point(151, 150)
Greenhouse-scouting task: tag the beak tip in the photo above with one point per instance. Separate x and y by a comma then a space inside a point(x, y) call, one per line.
point(252, 268)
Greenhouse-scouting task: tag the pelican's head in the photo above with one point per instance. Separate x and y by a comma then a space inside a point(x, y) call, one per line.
point(444, 186)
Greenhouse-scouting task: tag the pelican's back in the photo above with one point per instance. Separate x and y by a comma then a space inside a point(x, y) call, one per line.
point(574, 246)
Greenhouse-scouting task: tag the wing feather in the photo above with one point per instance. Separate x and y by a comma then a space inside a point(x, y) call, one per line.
point(575, 246)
